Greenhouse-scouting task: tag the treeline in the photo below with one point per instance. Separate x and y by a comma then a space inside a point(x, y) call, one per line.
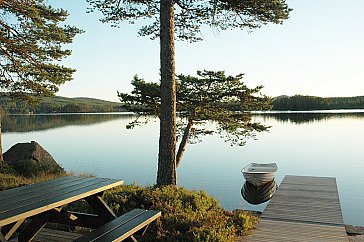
point(58, 104)
point(306, 103)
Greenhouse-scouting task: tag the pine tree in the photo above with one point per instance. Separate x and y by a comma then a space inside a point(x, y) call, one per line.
point(182, 19)
point(31, 41)
point(210, 98)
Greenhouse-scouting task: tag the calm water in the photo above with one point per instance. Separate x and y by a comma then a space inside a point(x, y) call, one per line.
point(313, 144)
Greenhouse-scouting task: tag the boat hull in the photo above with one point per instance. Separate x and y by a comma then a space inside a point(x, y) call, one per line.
point(258, 179)
point(259, 174)
point(258, 194)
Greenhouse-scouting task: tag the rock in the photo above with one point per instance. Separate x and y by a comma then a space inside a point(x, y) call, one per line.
point(31, 160)
point(252, 212)
point(356, 238)
point(354, 230)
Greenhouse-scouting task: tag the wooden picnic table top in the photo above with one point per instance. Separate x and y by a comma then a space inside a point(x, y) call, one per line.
point(23, 202)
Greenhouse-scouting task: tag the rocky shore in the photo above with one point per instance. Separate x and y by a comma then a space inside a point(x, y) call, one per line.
point(355, 233)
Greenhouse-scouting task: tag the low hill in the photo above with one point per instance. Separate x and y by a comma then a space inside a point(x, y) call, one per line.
point(57, 104)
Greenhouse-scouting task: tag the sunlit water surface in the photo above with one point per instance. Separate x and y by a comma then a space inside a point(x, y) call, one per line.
point(309, 144)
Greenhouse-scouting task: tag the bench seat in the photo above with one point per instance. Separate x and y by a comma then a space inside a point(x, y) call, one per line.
point(121, 227)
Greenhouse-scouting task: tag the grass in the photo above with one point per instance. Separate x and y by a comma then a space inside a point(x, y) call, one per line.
point(9, 178)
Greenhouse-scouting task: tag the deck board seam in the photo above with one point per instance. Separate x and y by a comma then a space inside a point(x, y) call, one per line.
point(301, 221)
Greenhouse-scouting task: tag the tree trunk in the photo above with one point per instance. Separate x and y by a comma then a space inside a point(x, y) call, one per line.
point(183, 144)
point(167, 138)
point(1, 147)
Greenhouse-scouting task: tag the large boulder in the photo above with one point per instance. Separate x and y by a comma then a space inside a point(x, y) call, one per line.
point(31, 160)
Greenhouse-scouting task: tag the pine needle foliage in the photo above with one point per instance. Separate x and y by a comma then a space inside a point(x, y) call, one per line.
point(31, 40)
point(208, 103)
point(191, 15)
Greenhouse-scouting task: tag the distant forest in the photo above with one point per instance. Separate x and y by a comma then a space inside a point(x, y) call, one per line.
point(306, 103)
point(58, 104)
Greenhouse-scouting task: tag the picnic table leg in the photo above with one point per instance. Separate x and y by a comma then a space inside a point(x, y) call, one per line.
point(100, 207)
point(131, 239)
point(31, 230)
point(8, 230)
point(36, 224)
point(2, 238)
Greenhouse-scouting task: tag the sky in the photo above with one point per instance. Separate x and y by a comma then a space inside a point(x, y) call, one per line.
point(318, 51)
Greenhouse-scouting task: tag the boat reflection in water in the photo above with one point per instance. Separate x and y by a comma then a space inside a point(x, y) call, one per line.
point(258, 194)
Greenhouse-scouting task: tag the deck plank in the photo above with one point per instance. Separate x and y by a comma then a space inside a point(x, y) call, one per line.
point(302, 209)
point(280, 231)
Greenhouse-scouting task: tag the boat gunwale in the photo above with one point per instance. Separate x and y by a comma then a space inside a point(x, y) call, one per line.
point(260, 172)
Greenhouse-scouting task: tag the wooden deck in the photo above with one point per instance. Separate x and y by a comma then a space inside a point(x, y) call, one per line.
point(302, 209)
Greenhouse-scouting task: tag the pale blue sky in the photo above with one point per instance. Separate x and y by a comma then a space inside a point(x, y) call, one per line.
point(318, 51)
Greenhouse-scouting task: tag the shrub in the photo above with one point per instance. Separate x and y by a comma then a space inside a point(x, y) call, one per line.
point(186, 215)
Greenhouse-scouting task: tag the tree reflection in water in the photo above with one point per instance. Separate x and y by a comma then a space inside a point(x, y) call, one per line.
point(311, 117)
point(27, 123)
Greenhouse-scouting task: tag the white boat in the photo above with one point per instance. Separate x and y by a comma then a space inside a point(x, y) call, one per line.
point(259, 174)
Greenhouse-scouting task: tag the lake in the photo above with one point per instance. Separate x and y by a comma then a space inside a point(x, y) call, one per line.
point(311, 144)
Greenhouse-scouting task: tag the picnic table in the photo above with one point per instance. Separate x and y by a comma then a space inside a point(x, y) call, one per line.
point(43, 202)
